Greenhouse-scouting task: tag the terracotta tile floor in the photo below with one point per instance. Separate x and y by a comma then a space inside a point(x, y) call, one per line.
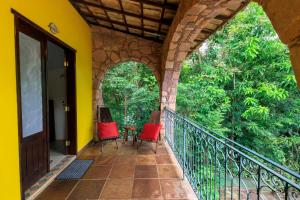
point(125, 173)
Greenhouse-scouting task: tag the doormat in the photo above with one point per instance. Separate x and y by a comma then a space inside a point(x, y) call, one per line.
point(75, 170)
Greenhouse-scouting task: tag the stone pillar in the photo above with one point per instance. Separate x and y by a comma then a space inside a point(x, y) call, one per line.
point(295, 59)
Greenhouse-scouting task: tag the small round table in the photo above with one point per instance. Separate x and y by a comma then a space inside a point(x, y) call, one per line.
point(129, 128)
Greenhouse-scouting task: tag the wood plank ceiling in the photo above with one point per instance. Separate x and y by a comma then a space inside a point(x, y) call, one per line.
point(149, 19)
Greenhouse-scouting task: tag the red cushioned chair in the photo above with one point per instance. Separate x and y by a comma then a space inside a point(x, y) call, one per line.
point(107, 129)
point(151, 131)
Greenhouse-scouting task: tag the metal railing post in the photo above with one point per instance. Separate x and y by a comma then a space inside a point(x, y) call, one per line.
point(286, 191)
point(228, 157)
point(184, 147)
point(258, 182)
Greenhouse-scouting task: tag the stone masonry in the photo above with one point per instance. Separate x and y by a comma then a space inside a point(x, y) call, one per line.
point(111, 47)
point(192, 17)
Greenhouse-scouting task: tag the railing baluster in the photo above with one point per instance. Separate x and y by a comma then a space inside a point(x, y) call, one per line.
point(258, 182)
point(239, 174)
point(208, 160)
point(206, 171)
point(184, 148)
point(286, 191)
point(225, 173)
point(210, 175)
point(201, 156)
point(215, 169)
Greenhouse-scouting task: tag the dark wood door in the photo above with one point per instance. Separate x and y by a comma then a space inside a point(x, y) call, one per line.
point(33, 138)
point(71, 122)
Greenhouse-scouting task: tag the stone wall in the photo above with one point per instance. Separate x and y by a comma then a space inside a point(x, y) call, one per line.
point(193, 16)
point(112, 47)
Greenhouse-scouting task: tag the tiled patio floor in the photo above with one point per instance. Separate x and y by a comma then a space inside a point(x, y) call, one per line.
point(126, 173)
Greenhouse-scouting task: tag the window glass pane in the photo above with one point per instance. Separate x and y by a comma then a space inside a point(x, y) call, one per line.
point(31, 85)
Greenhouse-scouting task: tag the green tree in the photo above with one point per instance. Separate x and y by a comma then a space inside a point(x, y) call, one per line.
point(241, 85)
point(131, 92)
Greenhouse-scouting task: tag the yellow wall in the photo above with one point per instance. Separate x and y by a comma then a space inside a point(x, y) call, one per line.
point(73, 31)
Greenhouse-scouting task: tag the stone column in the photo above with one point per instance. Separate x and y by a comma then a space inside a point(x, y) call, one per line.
point(295, 59)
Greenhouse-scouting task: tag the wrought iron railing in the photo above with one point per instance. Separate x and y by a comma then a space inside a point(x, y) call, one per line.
point(218, 168)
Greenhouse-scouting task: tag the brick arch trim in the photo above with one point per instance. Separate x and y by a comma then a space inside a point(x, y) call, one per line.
point(191, 19)
point(111, 47)
point(100, 73)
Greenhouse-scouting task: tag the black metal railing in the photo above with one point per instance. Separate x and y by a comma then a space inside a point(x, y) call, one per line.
point(218, 168)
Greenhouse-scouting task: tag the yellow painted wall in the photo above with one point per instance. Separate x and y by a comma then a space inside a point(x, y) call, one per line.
point(73, 31)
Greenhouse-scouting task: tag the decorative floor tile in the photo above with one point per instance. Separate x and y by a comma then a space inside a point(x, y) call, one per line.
point(57, 190)
point(104, 160)
point(145, 160)
point(164, 159)
point(114, 174)
point(125, 160)
point(146, 189)
point(176, 189)
point(122, 171)
point(34, 190)
point(168, 171)
point(145, 171)
point(162, 151)
point(97, 172)
point(117, 189)
point(87, 189)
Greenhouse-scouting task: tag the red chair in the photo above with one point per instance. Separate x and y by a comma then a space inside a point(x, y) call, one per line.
point(151, 131)
point(107, 129)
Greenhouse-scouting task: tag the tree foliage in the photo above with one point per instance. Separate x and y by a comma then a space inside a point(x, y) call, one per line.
point(241, 84)
point(131, 92)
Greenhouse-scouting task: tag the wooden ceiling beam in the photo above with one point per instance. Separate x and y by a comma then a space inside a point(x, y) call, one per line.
point(162, 16)
point(100, 2)
point(78, 10)
point(142, 19)
point(101, 6)
point(122, 24)
point(124, 18)
point(157, 4)
point(134, 34)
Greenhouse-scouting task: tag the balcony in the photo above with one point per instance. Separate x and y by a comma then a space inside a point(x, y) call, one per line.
point(219, 168)
point(126, 173)
point(213, 168)
point(93, 37)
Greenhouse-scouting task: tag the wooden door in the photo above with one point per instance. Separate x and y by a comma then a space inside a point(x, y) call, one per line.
point(33, 138)
point(71, 122)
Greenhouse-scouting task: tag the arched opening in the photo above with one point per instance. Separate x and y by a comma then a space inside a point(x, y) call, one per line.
point(241, 84)
point(131, 92)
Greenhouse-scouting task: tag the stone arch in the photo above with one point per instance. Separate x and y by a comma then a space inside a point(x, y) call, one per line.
point(101, 75)
point(111, 47)
point(192, 18)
